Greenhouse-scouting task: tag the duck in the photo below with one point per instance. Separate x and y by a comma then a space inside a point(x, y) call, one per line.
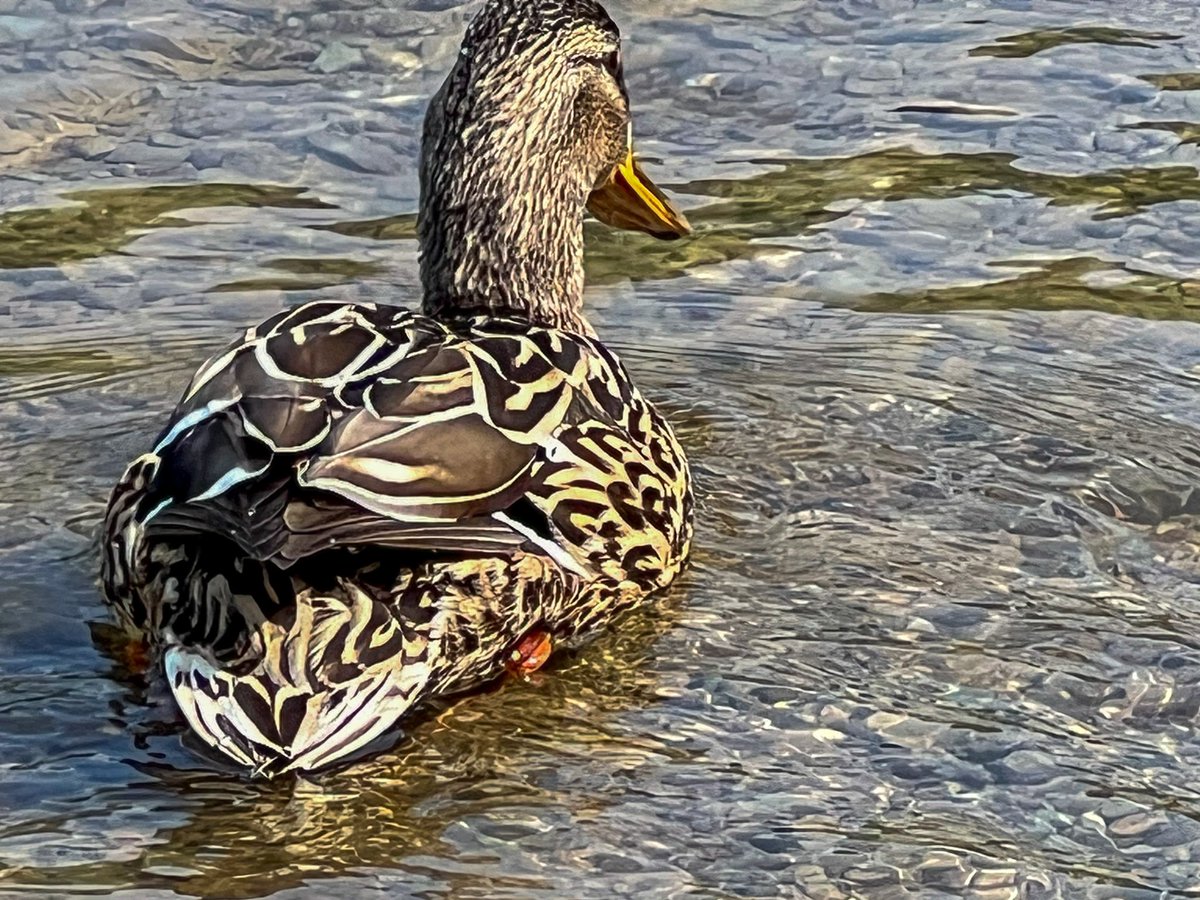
point(357, 508)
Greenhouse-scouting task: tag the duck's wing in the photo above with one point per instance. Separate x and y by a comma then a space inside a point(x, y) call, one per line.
point(353, 424)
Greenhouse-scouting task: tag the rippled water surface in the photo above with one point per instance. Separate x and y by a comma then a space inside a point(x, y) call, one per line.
point(933, 351)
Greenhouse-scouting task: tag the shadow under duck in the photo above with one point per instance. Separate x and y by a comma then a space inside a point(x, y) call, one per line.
point(357, 507)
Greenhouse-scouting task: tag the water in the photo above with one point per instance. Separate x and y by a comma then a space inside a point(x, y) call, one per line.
point(933, 352)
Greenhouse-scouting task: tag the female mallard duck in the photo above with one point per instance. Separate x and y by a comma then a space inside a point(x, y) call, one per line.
point(358, 507)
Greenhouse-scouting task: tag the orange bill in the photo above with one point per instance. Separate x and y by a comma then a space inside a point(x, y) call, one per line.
point(630, 200)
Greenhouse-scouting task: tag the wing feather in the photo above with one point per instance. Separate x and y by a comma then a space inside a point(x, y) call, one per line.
point(342, 424)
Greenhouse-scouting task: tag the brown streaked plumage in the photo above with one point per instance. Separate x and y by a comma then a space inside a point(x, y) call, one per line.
point(356, 507)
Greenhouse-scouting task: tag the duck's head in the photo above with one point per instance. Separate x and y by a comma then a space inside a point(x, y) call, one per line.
point(530, 128)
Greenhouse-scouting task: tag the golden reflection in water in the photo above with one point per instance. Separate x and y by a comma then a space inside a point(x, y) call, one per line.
point(1174, 81)
point(101, 221)
point(305, 274)
point(1029, 43)
point(743, 216)
point(1081, 282)
point(1187, 132)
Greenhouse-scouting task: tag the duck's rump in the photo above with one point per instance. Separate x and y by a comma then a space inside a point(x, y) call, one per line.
point(309, 668)
point(309, 665)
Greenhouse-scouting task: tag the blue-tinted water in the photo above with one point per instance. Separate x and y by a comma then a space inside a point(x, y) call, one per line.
point(932, 351)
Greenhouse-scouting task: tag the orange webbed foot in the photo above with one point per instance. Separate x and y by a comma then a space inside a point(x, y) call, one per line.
point(134, 655)
point(530, 653)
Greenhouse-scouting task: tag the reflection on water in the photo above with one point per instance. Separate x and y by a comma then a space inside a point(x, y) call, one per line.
point(1028, 43)
point(1187, 132)
point(795, 195)
point(1058, 284)
point(1174, 81)
point(932, 350)
point(307, 274)
point(96, 222)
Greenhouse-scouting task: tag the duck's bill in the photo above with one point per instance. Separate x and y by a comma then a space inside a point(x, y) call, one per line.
point(630, 200)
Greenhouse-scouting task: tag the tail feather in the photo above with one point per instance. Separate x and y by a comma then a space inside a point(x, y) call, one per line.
point(124, 556)
point(329, 678)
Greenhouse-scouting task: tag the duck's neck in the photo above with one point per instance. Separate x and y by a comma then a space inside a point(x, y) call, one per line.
point(501, 227)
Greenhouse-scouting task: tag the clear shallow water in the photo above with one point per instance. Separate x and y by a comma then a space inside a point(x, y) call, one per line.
point(933, 353)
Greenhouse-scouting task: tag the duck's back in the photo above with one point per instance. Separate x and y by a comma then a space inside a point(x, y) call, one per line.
point(391, 461)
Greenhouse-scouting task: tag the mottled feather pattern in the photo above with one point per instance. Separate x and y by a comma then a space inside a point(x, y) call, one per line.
point(480, 250)
point(315, 666)
point(511, 471)
point(357, 507)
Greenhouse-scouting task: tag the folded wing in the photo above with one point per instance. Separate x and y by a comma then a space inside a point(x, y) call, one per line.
point(349, 424)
